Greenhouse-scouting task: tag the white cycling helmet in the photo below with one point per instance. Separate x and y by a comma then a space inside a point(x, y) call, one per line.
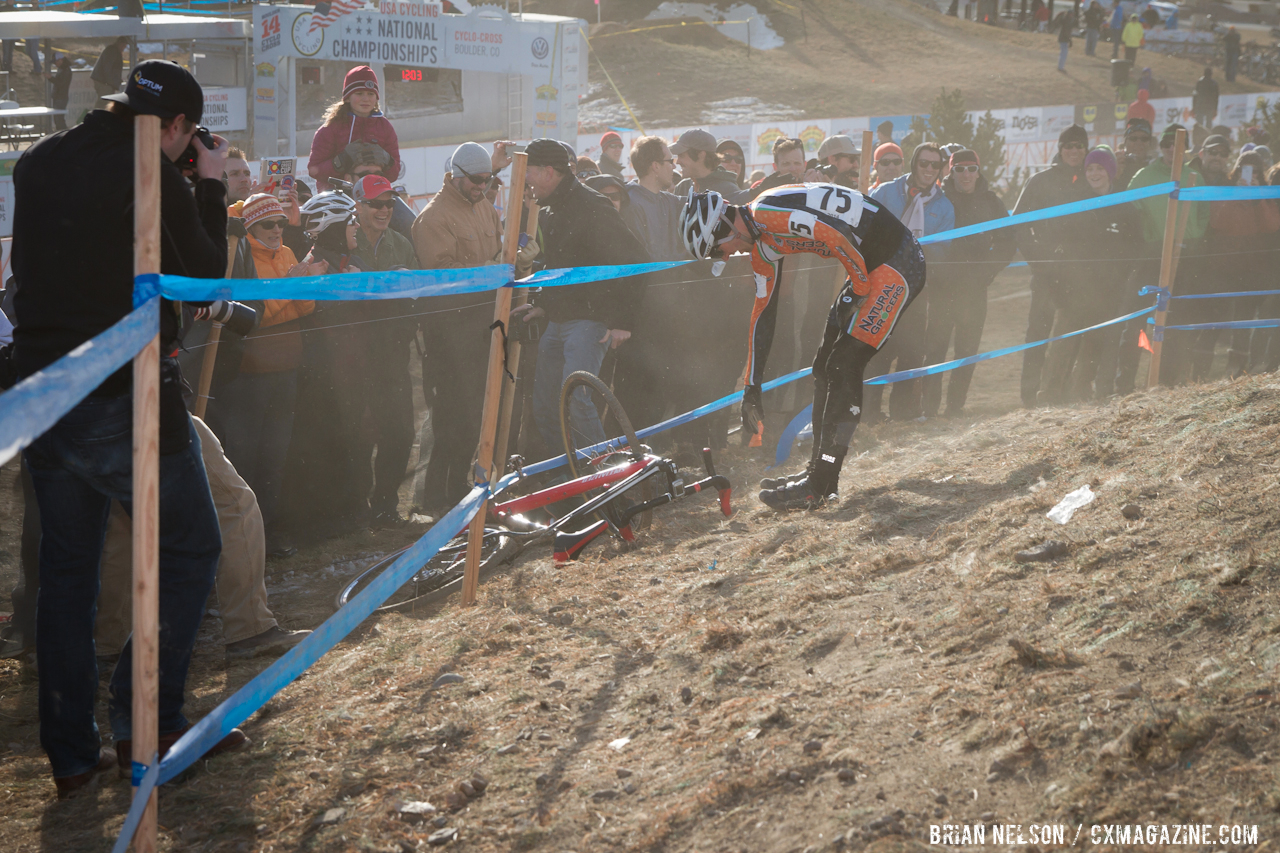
point(325, 209)
point(702, 223)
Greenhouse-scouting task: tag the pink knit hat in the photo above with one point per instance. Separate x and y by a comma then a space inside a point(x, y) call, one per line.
point(360, 77)
point(887, 148)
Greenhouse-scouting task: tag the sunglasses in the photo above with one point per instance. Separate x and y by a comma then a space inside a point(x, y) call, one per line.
point(731, 158)
point(965, 170)
point(928, 164)
point(271, 225)
point(385, 204)
point(886, 161)
point(478, 180)
point(1218, 152)
point(1073, 146)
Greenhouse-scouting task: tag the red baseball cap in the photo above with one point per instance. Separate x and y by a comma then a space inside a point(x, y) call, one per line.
point(372, 186)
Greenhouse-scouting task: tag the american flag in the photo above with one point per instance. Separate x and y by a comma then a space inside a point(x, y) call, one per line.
point(326, 13)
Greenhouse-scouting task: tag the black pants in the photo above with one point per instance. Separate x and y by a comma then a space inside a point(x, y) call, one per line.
point(454, 369)
point(1044, 306)
point(958, 308)
point(842, 358)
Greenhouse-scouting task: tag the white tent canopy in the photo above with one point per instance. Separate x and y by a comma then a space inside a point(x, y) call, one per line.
point(154, 27)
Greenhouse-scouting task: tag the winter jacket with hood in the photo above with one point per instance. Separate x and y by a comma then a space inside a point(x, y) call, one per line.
point(1058, 184)
point(977, 258)
point(939, 214)
point(1142, 108)
point(1133, 34)
point(1154, 208)
point(333, 138)
point(581, 228)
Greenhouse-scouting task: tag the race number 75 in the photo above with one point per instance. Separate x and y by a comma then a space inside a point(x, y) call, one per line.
point(835, 201)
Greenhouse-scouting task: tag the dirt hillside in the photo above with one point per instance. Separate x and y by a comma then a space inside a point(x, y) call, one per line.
point(872, 57)
point(839, 679)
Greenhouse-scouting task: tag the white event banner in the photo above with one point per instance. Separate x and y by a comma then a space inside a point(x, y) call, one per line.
point(419, 34)
point(225, 109)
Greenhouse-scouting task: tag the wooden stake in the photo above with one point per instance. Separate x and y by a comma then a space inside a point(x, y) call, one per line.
point(211, 345)
point(146, 475)
point(1168, 258)
point(493, 382)
point(864, 163)
point(513, 365)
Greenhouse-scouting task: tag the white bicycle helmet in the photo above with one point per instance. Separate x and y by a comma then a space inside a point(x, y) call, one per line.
point(702, 223)
point(325, 209)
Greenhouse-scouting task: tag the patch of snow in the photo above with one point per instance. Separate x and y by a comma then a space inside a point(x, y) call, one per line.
point(738, 21)
point(745, 110)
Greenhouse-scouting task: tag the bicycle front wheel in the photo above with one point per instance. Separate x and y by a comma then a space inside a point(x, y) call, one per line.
point(440, 577)
point(590, 413)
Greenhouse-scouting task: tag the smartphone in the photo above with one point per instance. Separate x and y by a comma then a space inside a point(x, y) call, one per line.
point(1246, 172)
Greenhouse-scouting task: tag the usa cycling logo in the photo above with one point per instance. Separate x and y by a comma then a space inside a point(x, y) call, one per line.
point(881, 310)
point(540, 47)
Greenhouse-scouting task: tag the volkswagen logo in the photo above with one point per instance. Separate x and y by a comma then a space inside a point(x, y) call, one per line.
point(540, 48)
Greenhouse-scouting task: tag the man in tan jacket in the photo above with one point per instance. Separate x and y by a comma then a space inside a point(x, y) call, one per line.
point(458, 228)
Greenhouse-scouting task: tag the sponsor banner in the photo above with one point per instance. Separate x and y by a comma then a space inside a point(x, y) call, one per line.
point(225, 109)
point(6, 204)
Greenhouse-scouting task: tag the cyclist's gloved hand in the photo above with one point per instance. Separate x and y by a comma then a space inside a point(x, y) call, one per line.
point(752, 414)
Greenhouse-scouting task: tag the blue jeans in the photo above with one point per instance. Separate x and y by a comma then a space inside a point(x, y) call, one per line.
point(563, 349)
point(77, 468)
point(253, 415)
point(1063, 47)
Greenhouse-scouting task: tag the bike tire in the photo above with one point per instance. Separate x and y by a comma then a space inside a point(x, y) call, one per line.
point(440, 577)
point(610, 410)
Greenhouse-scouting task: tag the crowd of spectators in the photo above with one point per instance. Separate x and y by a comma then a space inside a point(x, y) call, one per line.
point(310, 420)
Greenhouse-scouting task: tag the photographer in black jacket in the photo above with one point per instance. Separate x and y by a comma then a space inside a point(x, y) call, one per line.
point(580, 228)
point(78, 185)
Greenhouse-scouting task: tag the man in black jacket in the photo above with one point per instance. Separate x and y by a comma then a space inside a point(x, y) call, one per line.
point(1042, 245)
point(959, 300)
point(580, 228)
point(79, 182)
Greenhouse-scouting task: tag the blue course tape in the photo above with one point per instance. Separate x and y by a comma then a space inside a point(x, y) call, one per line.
point(145, 784)
point(790, 434)
point(397, 284)
point(783, 453)
point(1225, 295)
point(248, 699)
point(1230, 324)
point(38, 402)
point(1052, 212)
point(1226, 193)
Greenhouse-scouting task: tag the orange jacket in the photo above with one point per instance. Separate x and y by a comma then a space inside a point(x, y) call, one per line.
point(276, 344)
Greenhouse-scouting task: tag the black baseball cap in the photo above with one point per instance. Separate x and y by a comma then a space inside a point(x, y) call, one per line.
point(161, 88)
point(547, 152)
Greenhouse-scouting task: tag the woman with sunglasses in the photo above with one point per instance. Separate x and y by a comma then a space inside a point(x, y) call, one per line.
point(253, 415)
point(958, 286)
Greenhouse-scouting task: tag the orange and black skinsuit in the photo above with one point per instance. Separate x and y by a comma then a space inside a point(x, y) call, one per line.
point(886, 271)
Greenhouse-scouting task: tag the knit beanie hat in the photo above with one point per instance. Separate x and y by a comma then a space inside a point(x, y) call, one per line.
point(887, 148)
point(360, 77)
point(965, 155)
point(471, 158)
point(611, 137)
point(1104, 158)
point(547, 152)
point(1075, 133)
point(260, 206)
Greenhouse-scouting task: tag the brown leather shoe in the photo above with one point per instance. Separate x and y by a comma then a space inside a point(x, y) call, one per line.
point(70, 786)
point(235, 740)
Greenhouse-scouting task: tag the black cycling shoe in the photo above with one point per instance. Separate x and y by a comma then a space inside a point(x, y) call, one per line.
point(770, 483)
point(798, 495)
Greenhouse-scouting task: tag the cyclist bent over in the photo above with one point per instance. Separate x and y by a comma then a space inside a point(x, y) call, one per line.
point(886, 272)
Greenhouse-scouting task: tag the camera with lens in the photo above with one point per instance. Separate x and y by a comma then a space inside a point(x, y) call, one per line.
point(187, 162)
point(235, 316)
